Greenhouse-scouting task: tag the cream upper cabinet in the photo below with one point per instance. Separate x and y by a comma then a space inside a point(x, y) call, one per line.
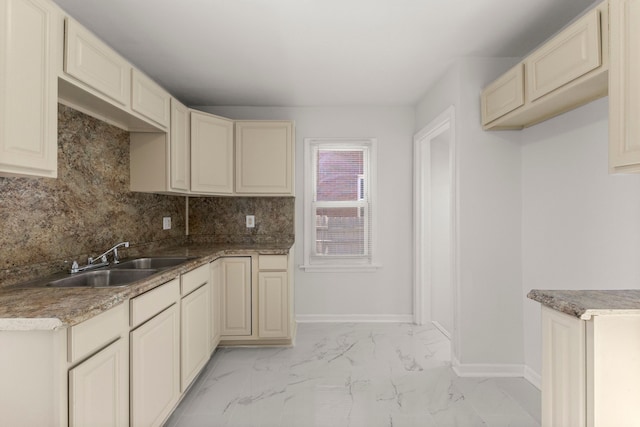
point(149, 99)
point(180, 142)
point(211, 154)
point(91, 61)
point(569, 70)
point(264, 157)
point(624, 87)
point(160, 162)
point(236, 296)
point(30, 59)
point(504, 95)
point(569, 55)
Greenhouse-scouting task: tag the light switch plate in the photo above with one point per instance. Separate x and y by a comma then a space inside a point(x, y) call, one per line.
point(251, 221)
point(166, 223)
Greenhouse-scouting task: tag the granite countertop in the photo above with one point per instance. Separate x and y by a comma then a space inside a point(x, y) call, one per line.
point(45, 308)
point(586, 303)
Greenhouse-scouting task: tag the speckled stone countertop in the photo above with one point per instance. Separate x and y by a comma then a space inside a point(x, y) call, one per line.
point(45, 308)
point(586, 303)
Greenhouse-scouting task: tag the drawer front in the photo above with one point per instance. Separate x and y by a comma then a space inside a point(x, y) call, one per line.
point(149, 99)
point(504, 95)
point(93, 334)
point(147, 305)
point(195, 278)
point(569, 55)
point(91, 61)
point(272, 262)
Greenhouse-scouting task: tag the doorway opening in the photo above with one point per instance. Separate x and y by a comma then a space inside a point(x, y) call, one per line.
point(435, 226)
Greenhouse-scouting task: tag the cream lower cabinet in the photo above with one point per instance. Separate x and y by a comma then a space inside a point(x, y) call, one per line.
point(257, 303)
point(195, 335)
point(590, 370)
point(99, 383)
point(155, 354)
point(216, 307)
point(273, 296)
point(30, 59)
point(236, 296)
point(98, 389)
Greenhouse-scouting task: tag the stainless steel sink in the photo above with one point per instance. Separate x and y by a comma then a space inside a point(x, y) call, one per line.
point(156, 263)
point(102, 278)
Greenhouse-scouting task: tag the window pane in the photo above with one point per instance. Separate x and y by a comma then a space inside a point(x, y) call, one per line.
point(340, 175)
point(341, 231)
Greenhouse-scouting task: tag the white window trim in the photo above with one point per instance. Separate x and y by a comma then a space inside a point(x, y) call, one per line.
point(331, 266)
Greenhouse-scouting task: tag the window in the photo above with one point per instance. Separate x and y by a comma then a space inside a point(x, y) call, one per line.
point(339, 204)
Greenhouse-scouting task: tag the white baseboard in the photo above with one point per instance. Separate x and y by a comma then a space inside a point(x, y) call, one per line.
point(486, 369)
point(441, 329)
point(533, 377)
point(354, 318)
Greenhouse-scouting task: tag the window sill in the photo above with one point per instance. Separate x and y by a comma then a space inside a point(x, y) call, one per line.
point(333, 268)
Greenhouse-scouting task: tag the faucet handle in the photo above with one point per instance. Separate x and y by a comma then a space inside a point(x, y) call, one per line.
point(74, 266)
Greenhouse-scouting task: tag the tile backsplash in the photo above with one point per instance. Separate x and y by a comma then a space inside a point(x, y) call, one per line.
point(222, 220)
point(46, 223)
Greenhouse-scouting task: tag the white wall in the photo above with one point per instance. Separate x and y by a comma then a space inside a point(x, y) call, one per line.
point(488, 333)
point(580, 225)
point(386, 293)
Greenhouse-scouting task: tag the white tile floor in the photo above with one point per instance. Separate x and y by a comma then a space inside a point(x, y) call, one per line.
point(356, 375)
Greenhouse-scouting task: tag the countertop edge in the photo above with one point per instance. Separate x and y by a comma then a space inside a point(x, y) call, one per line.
point(53, 309)
point(584, 304)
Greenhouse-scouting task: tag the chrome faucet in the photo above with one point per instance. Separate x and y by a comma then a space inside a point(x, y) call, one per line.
point(92, 262)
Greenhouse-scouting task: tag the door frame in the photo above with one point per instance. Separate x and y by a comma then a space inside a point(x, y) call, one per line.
point(422, 233)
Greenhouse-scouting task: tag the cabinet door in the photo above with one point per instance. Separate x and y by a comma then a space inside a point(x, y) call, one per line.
point(273, 305)
point(264, 158)
point(29, 86)
point(236, 296)
point(92, 62)
point(211, 154)
point(624, 86)
point(563, 370)
point(571, 54)
point(149, 99)
point(215, 288)
point(179, 157)
point(98, 389)
point(504, 95)
point(155, 368)
point(195, 336)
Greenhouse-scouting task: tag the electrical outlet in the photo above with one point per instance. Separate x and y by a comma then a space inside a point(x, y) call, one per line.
point(251, 221)
point(166, 223)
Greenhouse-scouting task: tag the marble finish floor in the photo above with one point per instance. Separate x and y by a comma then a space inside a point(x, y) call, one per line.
point(356, 375)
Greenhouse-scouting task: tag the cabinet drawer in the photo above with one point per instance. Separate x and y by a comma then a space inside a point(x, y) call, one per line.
point(569, 55)
point(195, 278)
point(95, 333)
point(149, 304)
point(272, 262)
point(149, 99)
point(504, 95)
point(92, 62)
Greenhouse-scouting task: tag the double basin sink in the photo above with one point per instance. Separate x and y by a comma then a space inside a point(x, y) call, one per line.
point(118, 275)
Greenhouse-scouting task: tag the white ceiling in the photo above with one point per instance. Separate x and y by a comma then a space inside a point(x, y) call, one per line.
point(314, 52)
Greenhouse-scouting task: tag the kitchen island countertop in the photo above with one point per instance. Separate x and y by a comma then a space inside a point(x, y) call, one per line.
point(46, 308)
point(584, 304)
